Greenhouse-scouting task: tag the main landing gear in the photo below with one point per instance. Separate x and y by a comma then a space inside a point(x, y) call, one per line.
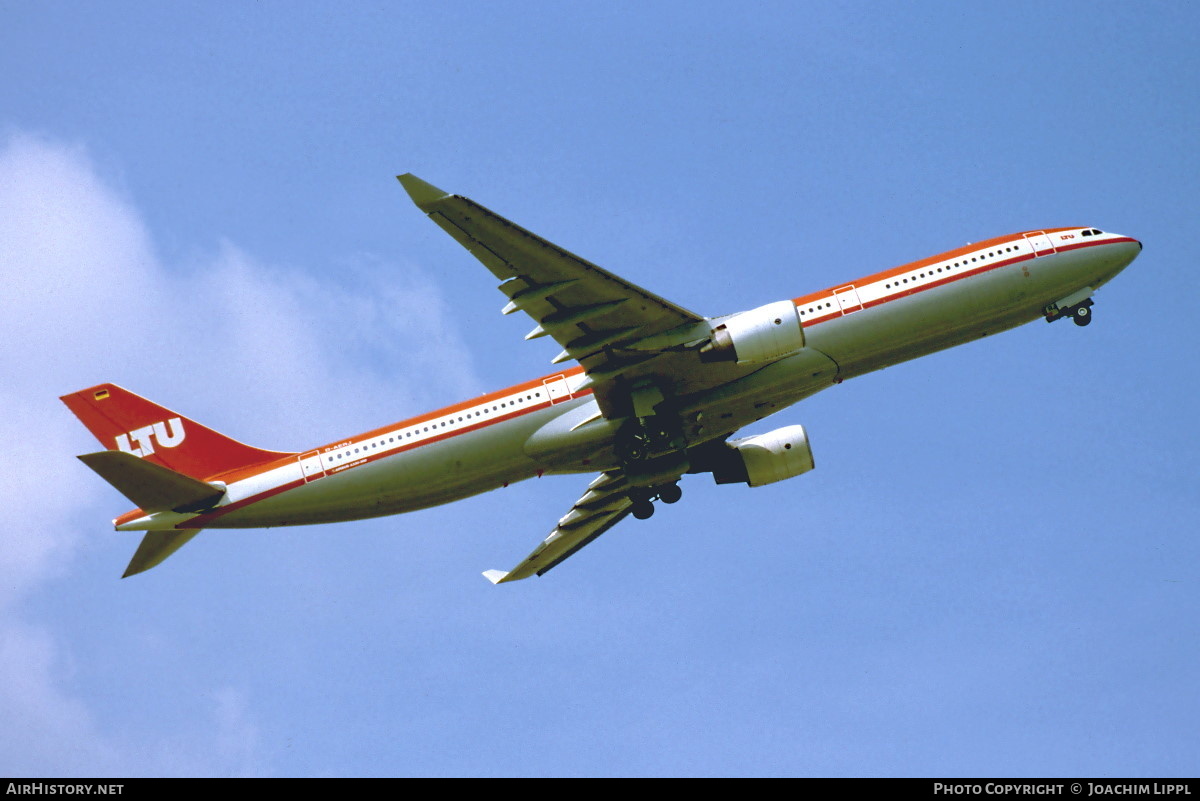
point(643, 498)
point(652, 450)
point(643, 440)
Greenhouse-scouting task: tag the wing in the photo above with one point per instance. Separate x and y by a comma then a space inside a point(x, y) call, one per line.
point(605, 504)
point(612, 327)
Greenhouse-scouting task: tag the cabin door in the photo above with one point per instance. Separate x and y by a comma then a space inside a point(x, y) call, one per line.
point(1040, 242)
point(847, 299)
point(312, 466)
point(557, 389)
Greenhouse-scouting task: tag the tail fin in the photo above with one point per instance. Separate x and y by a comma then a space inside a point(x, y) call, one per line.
point(123, 421)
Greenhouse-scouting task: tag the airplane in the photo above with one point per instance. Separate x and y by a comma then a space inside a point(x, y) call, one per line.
point(655, 391)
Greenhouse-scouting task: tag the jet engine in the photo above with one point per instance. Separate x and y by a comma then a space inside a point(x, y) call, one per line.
point(765, 458)
point(760, 335)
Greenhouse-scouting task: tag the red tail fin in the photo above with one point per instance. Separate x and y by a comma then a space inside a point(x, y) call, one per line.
point(127, 422)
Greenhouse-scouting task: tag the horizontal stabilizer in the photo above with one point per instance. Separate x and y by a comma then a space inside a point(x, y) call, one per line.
point(152, 487)
point(157, 546)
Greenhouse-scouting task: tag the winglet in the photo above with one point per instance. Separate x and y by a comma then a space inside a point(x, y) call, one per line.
point(495, 576)
point(423, 194)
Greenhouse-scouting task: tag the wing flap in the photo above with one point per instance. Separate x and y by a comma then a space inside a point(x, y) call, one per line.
point(590, 312)
point(603, 505)
point(495, 263)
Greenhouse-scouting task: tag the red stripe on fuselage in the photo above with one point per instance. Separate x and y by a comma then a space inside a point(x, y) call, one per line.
point(237, 475)
point(200, 521)
point(898, 272)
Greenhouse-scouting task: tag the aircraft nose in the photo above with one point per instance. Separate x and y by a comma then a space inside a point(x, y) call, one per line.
point(1129, 240)
point(1127, 253)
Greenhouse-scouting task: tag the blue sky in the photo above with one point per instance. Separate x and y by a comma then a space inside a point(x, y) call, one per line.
point(992, 571)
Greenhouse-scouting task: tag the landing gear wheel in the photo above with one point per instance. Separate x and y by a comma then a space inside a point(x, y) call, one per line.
point(670, 493)
point(660, 439)
point(642, 510)
point(1082, 315)
point(636, 445)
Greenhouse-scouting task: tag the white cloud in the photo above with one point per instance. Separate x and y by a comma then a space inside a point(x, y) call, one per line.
point(46, 730)
point(85, 300)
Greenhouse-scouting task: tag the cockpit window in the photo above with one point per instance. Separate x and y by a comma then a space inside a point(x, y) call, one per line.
point(1097, 231)
point(1087, 232)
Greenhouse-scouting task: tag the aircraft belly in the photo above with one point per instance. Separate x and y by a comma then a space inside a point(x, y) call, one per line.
point(577, 440)
point(727, 408)
point(948, 315)
point(457, 467)
point(897, 330)
point(572, 436)
point(1060, 274)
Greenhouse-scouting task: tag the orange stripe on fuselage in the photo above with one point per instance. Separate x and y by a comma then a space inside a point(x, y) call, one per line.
point(499, 395)
point(237, 475)
point(537, 383)
point(958, 253)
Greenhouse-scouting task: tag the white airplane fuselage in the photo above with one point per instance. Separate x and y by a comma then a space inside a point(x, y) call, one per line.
point(553, 424)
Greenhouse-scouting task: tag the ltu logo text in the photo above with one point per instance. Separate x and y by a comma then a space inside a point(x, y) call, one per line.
point(168, 434)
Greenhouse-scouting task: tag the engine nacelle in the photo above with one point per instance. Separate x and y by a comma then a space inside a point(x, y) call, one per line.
point(760, 335)
point(766, 458)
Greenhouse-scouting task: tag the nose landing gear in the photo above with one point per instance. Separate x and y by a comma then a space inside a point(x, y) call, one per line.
point(1081, 313)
